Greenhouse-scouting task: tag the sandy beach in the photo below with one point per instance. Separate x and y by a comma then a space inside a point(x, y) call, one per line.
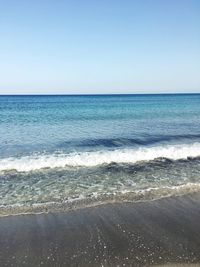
point(165, 231)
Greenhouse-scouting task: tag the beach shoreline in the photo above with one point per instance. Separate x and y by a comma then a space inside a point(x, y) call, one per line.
point(164, 231)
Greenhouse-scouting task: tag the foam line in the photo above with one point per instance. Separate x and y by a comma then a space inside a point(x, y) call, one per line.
point(94, 158)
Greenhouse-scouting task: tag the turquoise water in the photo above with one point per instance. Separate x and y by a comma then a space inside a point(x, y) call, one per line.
point(59, 148)
point(49, 123)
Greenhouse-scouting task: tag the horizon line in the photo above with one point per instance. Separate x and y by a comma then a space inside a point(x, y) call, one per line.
point(101, 94)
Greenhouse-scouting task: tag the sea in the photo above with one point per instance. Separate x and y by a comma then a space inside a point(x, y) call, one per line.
point(59, 152)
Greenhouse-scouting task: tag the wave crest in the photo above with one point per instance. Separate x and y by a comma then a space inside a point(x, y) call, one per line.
point(91, 159)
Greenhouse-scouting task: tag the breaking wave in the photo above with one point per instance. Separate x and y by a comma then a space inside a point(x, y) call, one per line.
point(95, 158)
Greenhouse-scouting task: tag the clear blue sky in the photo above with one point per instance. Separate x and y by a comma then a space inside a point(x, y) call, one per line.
point(102, 46)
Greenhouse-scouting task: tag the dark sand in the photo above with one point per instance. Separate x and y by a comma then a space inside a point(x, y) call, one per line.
point(127, 234)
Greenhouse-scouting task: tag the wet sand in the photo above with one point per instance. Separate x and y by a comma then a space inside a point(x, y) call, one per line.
point(121, 234)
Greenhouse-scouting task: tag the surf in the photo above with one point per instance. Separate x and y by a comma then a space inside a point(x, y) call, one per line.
point(95, 158)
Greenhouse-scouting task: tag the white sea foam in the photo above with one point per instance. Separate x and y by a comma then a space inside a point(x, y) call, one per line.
point(89, 159)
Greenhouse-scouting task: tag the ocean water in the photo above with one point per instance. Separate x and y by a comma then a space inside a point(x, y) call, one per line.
point(80, 150)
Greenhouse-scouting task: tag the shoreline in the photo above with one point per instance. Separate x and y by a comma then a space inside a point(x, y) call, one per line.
point(150, 233)
point(146, 195)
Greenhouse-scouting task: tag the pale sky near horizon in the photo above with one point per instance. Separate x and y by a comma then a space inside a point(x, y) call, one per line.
point(107, 46)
